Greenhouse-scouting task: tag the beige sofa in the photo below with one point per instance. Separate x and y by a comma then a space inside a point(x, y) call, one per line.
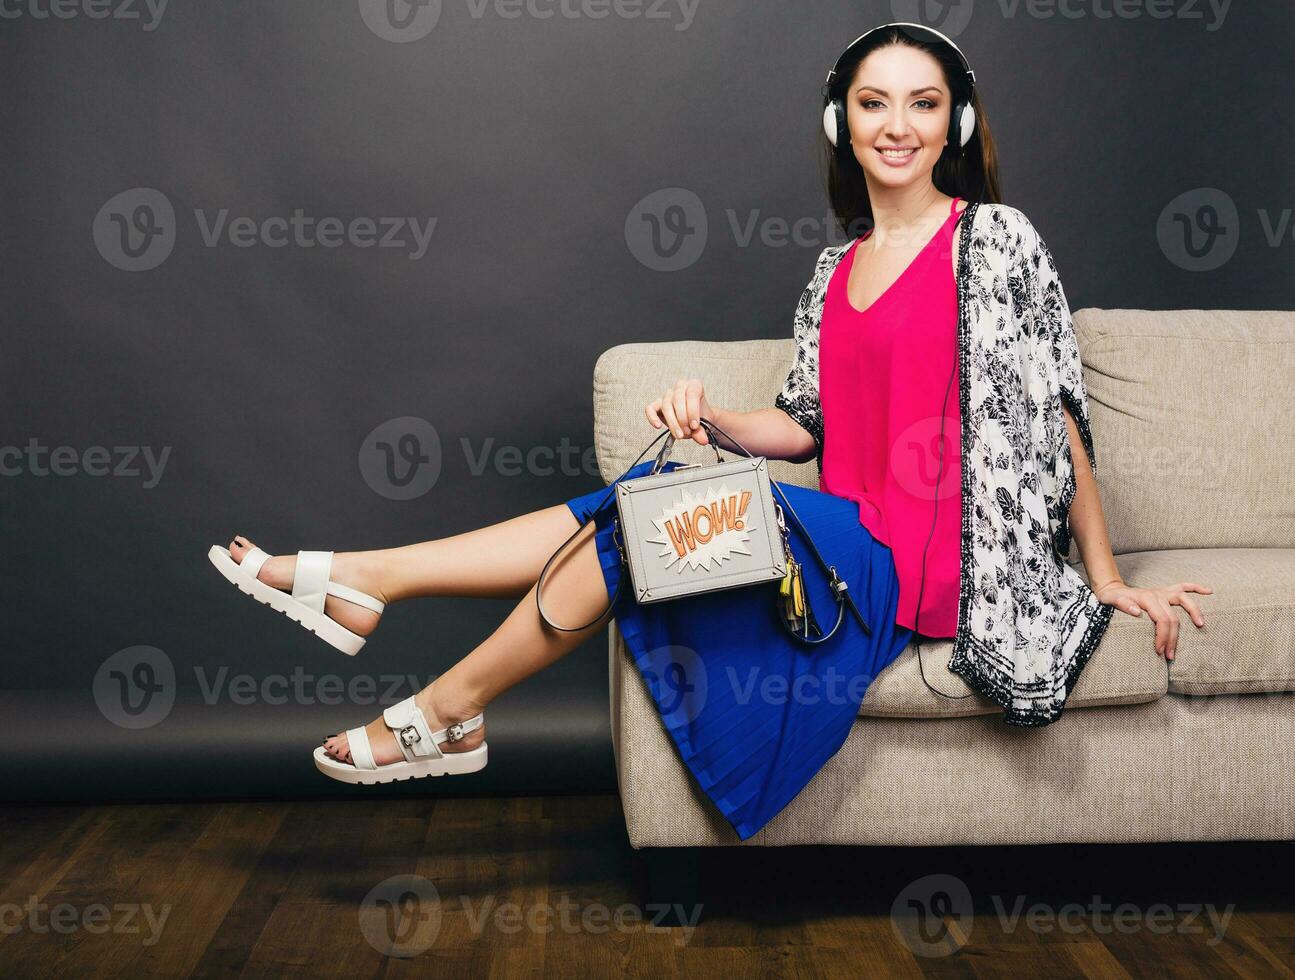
point(1192, 421)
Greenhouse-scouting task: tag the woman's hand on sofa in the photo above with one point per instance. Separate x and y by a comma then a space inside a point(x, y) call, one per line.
point(681, 408)
point(1156, 601)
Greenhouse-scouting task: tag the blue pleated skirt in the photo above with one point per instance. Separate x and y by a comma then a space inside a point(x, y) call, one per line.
point(754, 712)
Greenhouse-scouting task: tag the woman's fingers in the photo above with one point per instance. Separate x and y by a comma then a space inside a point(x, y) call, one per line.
point(668, 413)
point(687, 409)
point(693, 395)
point(653, 412)
point(1174, 626)
point(681, 406)
point(1163, 618)
point(1192, 609)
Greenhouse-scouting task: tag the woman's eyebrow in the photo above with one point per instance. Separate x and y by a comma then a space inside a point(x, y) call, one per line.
point(916, 91)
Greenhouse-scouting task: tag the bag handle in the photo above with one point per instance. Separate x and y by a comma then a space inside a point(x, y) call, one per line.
point(840, 590)
point(620, 581)
point(838, 585)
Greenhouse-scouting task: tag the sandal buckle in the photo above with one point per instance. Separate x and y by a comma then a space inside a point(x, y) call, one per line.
point(409, 735)
point(454, 732)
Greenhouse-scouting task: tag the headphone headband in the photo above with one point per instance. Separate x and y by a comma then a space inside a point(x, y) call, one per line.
point(962, 117)
point(915, 31)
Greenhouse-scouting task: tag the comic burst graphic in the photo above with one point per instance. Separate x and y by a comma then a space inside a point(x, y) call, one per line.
point(703, 530)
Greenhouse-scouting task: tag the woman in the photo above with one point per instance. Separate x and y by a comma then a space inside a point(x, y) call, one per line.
point(889, 323)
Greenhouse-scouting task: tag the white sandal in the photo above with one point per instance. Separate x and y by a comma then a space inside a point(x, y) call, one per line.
point(310, 586)
point(418, 744)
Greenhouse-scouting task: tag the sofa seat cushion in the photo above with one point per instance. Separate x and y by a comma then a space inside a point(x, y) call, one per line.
point(1124, 669)
point(1247, 645)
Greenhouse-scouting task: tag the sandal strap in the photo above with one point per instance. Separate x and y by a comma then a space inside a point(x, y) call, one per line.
point(356, 596)
point(361, 750)
point(310, 581)
point(253, 561)
point(416, 738)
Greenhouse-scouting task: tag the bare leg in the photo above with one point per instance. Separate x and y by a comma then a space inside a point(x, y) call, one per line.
point(499, 560)
point(574, 592)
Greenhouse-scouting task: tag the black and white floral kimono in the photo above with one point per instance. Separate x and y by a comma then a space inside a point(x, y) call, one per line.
point(1027, 622)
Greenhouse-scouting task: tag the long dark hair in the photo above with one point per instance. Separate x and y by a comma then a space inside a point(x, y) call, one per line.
point(971, 174)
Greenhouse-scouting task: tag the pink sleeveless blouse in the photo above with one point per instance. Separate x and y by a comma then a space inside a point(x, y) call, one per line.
point(888, 376)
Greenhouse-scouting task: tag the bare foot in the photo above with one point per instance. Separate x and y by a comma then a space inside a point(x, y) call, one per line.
point(351, 569)
point(440, 711)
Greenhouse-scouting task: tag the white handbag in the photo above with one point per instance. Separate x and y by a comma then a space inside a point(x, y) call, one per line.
point(702, 528)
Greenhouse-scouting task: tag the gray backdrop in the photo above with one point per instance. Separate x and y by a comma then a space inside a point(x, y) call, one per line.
point(485, 199)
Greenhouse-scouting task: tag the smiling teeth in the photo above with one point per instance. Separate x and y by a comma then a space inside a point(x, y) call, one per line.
point(898, 153)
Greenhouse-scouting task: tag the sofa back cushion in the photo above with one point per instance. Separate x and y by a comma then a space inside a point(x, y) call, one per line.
point(741, 375)
point(1192, 415)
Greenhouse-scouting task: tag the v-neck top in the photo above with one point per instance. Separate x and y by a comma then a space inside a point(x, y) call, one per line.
point(888, 377)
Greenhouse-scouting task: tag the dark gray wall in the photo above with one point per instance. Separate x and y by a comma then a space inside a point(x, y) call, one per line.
point(261, 371)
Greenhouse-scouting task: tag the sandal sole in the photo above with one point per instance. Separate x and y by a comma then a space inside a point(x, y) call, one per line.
point(452, 764)
point(329, 630)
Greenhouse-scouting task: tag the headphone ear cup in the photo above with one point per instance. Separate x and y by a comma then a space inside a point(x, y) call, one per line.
point(966, 124)
point(834, 123)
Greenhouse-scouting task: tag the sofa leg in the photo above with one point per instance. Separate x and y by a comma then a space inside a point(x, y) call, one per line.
point(672, 879)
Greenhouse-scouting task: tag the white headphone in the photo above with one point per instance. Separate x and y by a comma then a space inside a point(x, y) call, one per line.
point(962, 120)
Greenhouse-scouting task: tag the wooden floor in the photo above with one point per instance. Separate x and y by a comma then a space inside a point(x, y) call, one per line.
point(549, 887)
